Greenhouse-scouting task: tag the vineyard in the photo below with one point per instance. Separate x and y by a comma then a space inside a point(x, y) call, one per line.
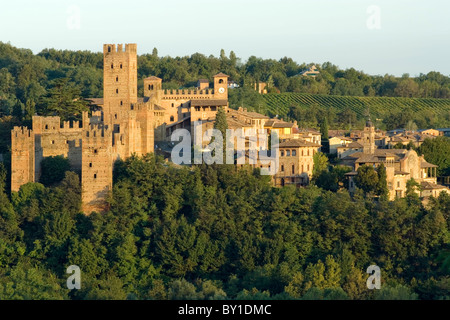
point(380, 107)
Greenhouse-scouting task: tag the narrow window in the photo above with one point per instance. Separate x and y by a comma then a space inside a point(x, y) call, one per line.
point(282, 154)
point(109, 49)
point(282, 168)
point(288, 153)
point(90, 165)
point(171, 118)
point(95, 176)
point(95, 151)
point(117, 90)
point(117, 79)
point(121, 102)
point(53, 141)
point(112, 65)
point(294, 153)
point(293, 169)
point(46, 126)
point(120, 66)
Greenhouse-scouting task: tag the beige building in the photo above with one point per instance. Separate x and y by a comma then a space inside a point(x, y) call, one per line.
point(295, 162)
point(401, 165)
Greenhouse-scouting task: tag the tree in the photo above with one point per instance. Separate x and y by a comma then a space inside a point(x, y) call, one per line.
point(324, 129)
point(367, 179)
point(381, 188)
point(221, 124)
point(320, 161)
point(437, 151)
point(63, 100)
point(53, 169)
point(399, 292)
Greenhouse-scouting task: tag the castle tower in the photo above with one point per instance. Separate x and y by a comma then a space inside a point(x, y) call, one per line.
point(369, 138)
point(22, 157)
point(221, 86)
point(119, 80)
point(96, 168)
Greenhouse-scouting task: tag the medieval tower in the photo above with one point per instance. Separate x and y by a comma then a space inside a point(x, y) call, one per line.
point(369, 138)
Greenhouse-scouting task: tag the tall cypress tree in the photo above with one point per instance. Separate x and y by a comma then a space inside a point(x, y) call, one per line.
point(382, 189)
point(221, 124)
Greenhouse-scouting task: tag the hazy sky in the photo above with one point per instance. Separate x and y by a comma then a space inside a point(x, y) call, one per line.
point(376, 36)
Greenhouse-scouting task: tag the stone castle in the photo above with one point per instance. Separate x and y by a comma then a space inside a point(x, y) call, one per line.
point(125, 125)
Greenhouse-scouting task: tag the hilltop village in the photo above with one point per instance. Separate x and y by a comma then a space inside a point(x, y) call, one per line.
point(126, 124)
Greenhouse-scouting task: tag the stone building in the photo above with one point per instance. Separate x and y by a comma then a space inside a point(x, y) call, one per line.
point(401, 165)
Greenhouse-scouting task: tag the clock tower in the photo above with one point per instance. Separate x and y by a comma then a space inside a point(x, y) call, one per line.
point(221, 86)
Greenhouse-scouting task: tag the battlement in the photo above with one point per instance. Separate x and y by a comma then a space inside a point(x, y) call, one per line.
point(112, 48)
point(53, 125)
point(188, 94)
point(21, 133)
point(98, 131)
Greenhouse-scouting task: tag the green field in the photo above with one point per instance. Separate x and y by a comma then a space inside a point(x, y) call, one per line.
point(379, 107)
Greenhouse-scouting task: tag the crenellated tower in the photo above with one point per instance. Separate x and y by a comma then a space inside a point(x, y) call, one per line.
point(22, 157)
point(119, 80)
point(96, 168)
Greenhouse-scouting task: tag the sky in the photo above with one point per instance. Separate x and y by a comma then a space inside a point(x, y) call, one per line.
point(375, 36)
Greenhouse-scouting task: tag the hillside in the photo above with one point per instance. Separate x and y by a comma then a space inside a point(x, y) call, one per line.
point(379, 107)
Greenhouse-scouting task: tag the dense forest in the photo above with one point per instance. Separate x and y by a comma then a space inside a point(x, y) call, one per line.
point(216, 232)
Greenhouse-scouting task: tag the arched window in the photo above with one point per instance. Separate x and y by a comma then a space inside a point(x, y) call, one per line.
point(120, 66)
point(117, 90)
point(282, 153)
point(171, 118)
point(294, 153)
point(220, 80)
point(117, 79)
point(109, 49)
point(288, 153)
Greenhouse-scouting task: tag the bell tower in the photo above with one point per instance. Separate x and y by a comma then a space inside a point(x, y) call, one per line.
point(369, 138)
point(221, 86)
